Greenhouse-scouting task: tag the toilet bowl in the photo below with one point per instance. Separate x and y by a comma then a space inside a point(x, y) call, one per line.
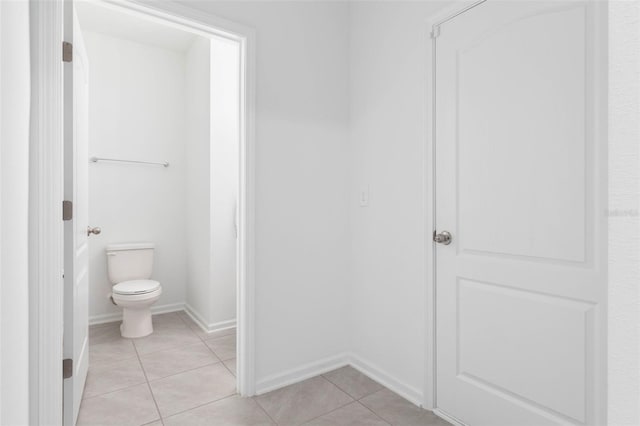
point(135, 298)
point(129, 267)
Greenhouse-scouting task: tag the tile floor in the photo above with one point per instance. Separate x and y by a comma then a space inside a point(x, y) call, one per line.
point(181, 376)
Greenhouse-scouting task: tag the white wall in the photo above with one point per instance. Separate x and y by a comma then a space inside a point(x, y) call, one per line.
point(225, 155)
point(388, 48)
point(624, 213)
point(212, 118)
point(301, 169)
point(14, 213)
point(136, 97)
point(198, 177)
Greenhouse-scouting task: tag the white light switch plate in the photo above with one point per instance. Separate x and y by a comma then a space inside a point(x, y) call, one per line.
point(364, 196)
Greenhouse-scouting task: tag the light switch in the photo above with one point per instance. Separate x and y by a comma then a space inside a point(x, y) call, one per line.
point(364, 196)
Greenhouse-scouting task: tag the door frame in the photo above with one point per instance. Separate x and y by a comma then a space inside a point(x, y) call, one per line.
point(432, 24)
point(46, 193)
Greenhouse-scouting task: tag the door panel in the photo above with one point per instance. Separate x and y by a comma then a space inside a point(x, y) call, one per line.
point(520, 185)
point(512, 66)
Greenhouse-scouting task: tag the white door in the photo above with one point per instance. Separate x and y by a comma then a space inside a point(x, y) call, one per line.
point(76, 159)
point(521, 186)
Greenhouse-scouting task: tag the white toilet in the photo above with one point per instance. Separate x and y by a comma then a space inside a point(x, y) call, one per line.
point(129, 268)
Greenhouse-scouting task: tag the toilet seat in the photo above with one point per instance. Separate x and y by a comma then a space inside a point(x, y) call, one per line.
point(136, 287)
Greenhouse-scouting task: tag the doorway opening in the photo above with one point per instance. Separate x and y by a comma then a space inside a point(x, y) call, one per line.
point(157, 161)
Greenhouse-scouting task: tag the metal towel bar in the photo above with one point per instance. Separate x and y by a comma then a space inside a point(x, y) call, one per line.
point(96, 159)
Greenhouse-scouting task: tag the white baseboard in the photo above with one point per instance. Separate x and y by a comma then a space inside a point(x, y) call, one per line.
point(208, 328)
point(301, 373)
point(368, 369)
point(117, 316)
point(448, 418)
point(298, 374)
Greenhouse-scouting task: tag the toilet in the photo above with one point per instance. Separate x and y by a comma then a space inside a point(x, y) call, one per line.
point(129, 268)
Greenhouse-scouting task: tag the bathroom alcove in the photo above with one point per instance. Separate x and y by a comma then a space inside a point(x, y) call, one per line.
point(158, 93)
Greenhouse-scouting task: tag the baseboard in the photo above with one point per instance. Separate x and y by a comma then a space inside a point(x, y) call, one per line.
point(301, 373)
point(370, 370)
point(208, 328)
point(117, 316)
point(295, 375)
point(448, 418)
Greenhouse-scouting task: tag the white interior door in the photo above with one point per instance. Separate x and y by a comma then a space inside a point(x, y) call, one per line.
point(520, 185)
point(76, 345)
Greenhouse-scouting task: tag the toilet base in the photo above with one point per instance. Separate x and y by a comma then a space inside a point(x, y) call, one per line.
point(136, 323)
point(136, 313)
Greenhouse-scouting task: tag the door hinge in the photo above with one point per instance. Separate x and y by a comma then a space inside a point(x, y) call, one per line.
point(67, 368)
point(67, 51)
point(67, 210)
point(435, 32)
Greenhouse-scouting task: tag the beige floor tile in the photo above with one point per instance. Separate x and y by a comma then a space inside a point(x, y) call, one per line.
point(303, 401)
point(354, 414)
point(109, 352)
point(400, 412)
point(224, 347)
point(112, 376)
point(353, 382)
point(156, 423)
point(231, 365)
point(166, 336)
point(167, 320)
point(233, 411)
point(104, 333)
point(171, 361)
point(132, 406)
point(193, 388)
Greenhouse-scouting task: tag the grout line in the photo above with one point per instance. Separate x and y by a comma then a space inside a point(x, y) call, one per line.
point(337, 408)
point(329, 412)
point(184, 371)
point(202, 405)
point(173, 347)
point(228, 369)
point(213, 352)
point(113, 391)
point(336, 385)
point(374, 413)
point(255, 399)
point(148, 385)
point(382, 387)
point(380, 390)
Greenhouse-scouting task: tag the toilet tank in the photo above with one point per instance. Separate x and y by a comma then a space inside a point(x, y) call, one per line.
point(130, 261)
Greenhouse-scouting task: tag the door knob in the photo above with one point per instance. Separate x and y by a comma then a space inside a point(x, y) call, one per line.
point(443, 238)
point(95, 230)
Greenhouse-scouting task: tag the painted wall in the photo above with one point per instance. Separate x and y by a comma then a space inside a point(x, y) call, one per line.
point(198, 178)
point(14, 191)
point(624, 213)
point(388, 69)
point(136, 112)
point(212, 129)
point(225, 154)
point(302, 232)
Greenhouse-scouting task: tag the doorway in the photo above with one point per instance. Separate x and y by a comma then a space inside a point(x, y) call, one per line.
point(163, 155)
point(520, 196)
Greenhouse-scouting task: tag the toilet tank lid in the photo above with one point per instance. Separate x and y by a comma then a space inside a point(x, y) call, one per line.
point(130, 246)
